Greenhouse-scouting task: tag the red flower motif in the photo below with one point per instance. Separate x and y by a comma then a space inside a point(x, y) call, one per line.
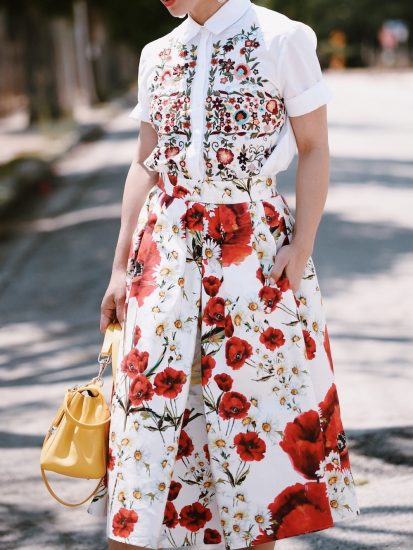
point(233, 405)
point(231, 226)
point(206, 451)
point(171, 152)
point(284, 284)
point(123, 522)
point(224, 381)
point(272, 106)
point(237, 351)
point(179, 191)
point(207, 364)
point(170, 518)
point(214, 312)
point(250, 446)
point(148, 255)
point(300, 508)
point(194, 516)
point(229, 327)
point(111, 459)
point(211, 285)
point(225, 156)
point(174, 489)
point(212, 536)
point(137, 335)
point(185, 445)
point(169, 382)
point(193, 217)
point(331, 424)
point(140, 390)
point(271, 297)
point(303, 442)
point(272, 338)
point(310, 345)
point(134, 363)
point(272, 217)
point(185, 417)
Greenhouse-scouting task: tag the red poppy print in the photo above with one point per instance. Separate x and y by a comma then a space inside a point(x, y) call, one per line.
point(137, 335)
point(310, 345)
point(207, 364)
point(224, 381)
point(272, 338)
point(194, 516)
point(233, 405)
point(170, 518)
point(250, 446)
point(332, 426)
point(140, 390)
point(229, 326)
point(272, 216)
point(174, 490)
point(135, 362)
point(185, 445)
point(271, 297)
point(211, 285)
point(124, 522)
point(214, 312)
point(230, 225)
point(237, 351)
point(111, 459)
point(194, 216)
point(169, 382)
point(303, 442)
point(212, 536)
point(300, 508)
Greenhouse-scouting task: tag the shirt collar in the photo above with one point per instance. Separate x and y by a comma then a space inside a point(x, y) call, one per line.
point(225, 16)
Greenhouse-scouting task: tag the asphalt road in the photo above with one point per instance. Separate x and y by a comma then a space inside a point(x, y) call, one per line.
point(55, 259)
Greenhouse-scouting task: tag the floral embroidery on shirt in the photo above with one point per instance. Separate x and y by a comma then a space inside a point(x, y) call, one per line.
point(240, 102)
point(170, 91)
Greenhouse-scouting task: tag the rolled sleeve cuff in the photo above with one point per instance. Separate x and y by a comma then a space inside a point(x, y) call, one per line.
point(311, 99)
point(138, 113)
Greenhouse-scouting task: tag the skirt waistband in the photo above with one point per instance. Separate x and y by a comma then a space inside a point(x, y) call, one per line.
point(223, 191)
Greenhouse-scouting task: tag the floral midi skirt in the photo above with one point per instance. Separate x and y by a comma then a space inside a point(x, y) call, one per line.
point(226, 426)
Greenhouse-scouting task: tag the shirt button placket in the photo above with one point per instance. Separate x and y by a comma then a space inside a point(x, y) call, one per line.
point(194, 153)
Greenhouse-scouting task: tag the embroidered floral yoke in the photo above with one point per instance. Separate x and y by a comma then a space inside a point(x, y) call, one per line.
point(226, 427)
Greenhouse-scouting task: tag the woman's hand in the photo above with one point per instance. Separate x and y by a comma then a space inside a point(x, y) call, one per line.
point(292, 258)
point(113, 304)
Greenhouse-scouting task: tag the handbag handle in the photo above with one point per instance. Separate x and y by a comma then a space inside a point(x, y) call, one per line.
point(75, 420)
point(95, 490)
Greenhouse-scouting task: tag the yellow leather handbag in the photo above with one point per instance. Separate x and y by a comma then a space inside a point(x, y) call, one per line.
point(76, 443)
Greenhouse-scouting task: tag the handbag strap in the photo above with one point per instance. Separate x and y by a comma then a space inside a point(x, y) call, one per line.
point(95, 490)
point(110, 349)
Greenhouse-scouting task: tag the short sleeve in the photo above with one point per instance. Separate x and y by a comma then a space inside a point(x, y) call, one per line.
point(141, 110)
point(302, 83)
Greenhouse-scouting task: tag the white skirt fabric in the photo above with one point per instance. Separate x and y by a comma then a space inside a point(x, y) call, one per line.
point(226, 426)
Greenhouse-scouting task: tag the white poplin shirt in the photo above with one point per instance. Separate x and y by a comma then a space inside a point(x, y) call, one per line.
point(220, 95)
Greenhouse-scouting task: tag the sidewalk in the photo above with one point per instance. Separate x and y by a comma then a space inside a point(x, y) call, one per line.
point(56, 265)
point(27, 155)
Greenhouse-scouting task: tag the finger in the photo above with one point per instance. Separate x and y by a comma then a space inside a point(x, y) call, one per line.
point(120, 309)
point(105, 321)
point(107, 313)
point(277, 270)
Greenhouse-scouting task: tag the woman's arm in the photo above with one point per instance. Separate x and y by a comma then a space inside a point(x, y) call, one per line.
point(312, 180)
point(137, 185)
